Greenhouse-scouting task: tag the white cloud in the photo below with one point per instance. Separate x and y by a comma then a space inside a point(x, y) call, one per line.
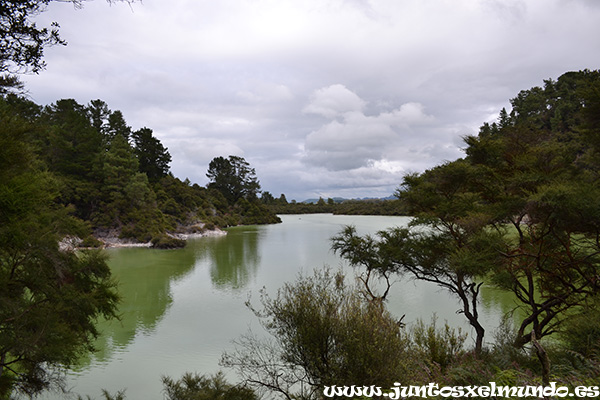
point(333, 101)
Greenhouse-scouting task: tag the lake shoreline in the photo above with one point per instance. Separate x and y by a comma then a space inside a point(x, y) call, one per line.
point(112, 240)
point(116, 242)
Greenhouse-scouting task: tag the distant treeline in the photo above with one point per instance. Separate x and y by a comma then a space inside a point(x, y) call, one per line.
point(117, 179)
point(340, 207)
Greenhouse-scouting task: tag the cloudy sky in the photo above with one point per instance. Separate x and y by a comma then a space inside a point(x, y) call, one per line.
point(322, 97)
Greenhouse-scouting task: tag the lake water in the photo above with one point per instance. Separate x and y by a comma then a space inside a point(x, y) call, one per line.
point(182, 308)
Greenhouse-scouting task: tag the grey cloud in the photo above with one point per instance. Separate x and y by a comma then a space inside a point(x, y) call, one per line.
point(328, 96)
point(354, 140)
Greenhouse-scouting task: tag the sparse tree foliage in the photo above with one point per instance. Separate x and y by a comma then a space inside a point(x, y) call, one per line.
point(322, 332)
point(22, 41)
point(199, 387)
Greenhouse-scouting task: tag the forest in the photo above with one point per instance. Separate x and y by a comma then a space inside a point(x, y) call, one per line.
point(116, 180)
point(280, 205)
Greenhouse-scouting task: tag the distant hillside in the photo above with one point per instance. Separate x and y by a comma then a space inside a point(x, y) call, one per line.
point(343, 199)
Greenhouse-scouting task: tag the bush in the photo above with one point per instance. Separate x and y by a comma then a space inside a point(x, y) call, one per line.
point(164, 241)
point(90, 242)
point(441, 347)
point(200, 387)
point(583, 332)
point(324, 333)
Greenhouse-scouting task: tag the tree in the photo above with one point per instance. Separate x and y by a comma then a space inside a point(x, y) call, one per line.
point(49, 298)
point(116, 126)
point(72, 149)
point(234, 178)
point(447, 242)
point(433, 257)
point(267, 198)
point(98, 113)
point(21, 41)
point(153, 157)
point(127, 200)
point(119, 168)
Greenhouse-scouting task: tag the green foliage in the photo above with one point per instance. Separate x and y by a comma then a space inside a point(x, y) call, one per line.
point(583, 332)
point(167, 242)
point(235, 186)
point(116, 127)
point(446, 245)
point(234, 178)
point(49, 299)
point(345, 207)
point(441, 347)
point(22, 42)
point(122, 189)
point(520, 211)
point(199, 387)
point(323, 333)
point(541, 181)
point(120, 395)
point(153, 157)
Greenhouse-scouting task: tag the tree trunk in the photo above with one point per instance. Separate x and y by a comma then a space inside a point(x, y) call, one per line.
point(543, 357)
point(470, 311)
point(479, 339)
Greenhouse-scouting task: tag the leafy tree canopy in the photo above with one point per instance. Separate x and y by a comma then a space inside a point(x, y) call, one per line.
point(49, 298)
point(153, 157)
point(234, 178)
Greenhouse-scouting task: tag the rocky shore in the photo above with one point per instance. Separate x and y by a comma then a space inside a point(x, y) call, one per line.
point(111, 239)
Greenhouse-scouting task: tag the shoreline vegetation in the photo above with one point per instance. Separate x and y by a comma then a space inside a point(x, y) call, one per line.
point(115, 184)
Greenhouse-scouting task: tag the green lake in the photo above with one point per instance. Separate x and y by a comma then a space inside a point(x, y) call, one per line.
point(182, 308)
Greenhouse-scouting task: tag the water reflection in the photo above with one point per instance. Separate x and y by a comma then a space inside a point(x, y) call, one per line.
point(144, 279)
point(232, 260)
point(501, 302)
point(146, 276)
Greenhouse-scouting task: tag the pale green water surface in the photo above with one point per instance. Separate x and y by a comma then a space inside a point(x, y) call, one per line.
point(182, 308)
